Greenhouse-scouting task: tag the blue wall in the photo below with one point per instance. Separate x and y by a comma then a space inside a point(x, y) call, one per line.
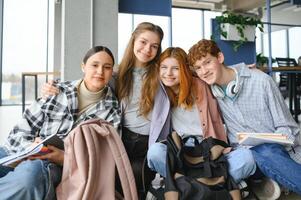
point(245, 53)
point(146, 7)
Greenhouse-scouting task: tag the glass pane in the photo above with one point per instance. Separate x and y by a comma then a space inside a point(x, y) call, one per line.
point(208, 15)
point(278, 41)
point(258, 41)
point(24, 45)
point(185, 34)
point(125, 27)
point(294, 43)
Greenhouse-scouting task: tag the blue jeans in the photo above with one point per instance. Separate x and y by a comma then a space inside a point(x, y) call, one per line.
point(241, 161)
point(31, 179)
point(274, 162)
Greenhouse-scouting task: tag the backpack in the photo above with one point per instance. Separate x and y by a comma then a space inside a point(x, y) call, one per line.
point(199, 171)
point(92, 151)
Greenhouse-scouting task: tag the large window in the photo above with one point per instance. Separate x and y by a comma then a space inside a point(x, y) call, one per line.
point(295, 42)
point(285, 42)
point(182, 35)
point(279, 44)
point(24, 45)
point(185, 34)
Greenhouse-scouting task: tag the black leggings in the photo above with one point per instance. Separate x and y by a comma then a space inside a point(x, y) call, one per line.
point(136, 145)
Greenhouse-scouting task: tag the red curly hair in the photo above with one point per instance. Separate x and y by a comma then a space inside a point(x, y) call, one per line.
point(201, 49)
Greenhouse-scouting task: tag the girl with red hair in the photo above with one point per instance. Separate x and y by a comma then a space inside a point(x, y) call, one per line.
point(194, 111)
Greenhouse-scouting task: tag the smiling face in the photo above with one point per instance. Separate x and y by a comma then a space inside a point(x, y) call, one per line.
point(209, 68)
point(146, 46)
point(170, 73)
point(98, 71)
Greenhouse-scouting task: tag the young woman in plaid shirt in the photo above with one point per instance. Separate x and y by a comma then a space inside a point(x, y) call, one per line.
point(78, 101)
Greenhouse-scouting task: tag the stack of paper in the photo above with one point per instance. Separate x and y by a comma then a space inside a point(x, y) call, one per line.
point(253, 139)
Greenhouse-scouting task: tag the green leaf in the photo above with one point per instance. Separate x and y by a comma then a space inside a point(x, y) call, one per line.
point(240, 23)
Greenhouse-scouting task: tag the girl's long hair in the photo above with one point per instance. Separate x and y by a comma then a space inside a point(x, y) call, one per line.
point(150, 78)
point(185, 97)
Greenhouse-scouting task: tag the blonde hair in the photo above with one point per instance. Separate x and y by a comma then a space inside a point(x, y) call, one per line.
point(125, 71)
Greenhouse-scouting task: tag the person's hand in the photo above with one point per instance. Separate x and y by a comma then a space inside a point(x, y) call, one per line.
point(48, 89)
point(252, 66)
point(36, 141)
point(55, 155)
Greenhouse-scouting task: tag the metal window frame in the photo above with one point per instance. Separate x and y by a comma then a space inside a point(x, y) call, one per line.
point(1, 46)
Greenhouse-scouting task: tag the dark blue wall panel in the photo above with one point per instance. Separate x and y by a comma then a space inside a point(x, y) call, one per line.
point(146, 7)
point(296, 2)
point(246, 53)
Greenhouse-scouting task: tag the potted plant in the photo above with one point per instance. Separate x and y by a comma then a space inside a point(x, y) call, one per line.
point(262, 60)
point(234, 27)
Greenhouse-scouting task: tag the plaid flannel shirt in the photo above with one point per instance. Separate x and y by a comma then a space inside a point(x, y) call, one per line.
point(59, 115)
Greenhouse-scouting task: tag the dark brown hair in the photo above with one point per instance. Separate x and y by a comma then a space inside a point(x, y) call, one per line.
point(95, 50)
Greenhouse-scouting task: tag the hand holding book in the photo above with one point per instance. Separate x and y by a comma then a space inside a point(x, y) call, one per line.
point(50, 153)
point(38, 147)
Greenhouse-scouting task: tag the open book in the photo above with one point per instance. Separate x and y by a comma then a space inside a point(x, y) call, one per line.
point(253, 139)
point(39, 148)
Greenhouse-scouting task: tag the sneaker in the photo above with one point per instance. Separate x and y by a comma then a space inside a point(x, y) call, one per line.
point(244, 190)
point(266, 189)
point(158, 181)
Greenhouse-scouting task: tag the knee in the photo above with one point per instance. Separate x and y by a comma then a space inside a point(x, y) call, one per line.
point(32, 174)
point(247, 156)
point(248, 162)
point(156, 155)
point(156, 152)
point(241, 164)
point(156, 158)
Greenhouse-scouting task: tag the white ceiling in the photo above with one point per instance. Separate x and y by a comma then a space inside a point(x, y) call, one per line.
point(282, 11)
point(220, 5)
point(242, 6)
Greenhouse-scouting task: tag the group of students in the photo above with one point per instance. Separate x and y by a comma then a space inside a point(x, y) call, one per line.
point(191, 94)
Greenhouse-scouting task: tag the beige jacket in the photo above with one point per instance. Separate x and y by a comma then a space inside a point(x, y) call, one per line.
point(92, 150)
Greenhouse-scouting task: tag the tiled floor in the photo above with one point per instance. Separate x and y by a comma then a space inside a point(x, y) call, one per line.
point(9, 116)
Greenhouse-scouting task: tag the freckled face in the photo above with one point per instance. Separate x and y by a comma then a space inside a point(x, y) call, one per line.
point(98, 71)
point(169, 73)
point(146, 46)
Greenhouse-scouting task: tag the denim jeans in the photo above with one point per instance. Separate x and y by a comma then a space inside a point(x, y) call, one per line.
point(241, 161)
point(31, 179)
point(274, 162)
